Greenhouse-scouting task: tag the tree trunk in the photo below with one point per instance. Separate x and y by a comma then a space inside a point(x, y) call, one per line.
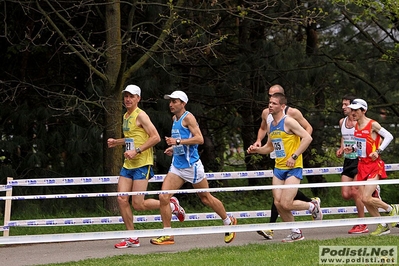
point(113, 159)
point(316, 144)
point(113, 105)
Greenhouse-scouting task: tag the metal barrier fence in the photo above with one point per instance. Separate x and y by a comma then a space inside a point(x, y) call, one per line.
point(8, 223)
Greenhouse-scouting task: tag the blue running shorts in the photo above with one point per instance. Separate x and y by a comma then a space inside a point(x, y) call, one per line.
point(141, 173)
point(284, 174)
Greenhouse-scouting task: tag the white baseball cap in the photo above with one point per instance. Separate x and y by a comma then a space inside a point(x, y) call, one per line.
point(133, 89)
point(357, 104)
point(177, 95)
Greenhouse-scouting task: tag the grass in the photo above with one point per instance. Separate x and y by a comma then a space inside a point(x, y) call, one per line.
point(304, 253)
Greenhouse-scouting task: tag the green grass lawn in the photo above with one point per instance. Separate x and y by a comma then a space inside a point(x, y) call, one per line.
point(303, 253)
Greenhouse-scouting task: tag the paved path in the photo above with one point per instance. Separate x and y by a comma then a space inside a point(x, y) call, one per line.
point(36, 254)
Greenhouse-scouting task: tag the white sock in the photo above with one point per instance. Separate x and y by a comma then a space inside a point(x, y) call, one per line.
point(227, 221)
point(389, 209)
point(296, 230)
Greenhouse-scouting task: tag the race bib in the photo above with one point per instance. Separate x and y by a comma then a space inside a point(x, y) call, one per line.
point(279, 148)
point(129, 144)
point(361, 147)
point(177, 149)
point(350, 143)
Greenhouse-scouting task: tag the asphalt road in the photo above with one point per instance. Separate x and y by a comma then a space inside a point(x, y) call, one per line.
point(37, 254)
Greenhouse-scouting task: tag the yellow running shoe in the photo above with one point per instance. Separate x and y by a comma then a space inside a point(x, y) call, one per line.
point(381, 230)
point(163, 240)
point(394, 212)
point(268, 234)
point(229, 237)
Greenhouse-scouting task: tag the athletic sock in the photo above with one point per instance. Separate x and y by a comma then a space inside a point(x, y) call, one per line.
point(274, 213)
point(227, 221)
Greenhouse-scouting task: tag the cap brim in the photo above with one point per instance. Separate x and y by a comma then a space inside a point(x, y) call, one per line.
point(183, 98)
point(355, 106)
point(132, 92)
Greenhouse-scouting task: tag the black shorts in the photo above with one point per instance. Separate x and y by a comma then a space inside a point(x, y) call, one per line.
point(350, 167)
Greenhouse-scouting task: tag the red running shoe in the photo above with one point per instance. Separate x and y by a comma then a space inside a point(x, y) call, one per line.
point(359, 229)
point(128, 243)
point(377, 192)
point(178, 210)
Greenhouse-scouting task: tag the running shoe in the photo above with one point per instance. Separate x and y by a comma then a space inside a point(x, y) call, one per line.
point(229, 237)
point(317, 214)
point(128, 243)
point(381, 230)
point(315, 200)
point(268, 234)
point(359, 229)
point(377, 193)
point(294, 236)
point(163, 240)
point(394, 212)
point(178, 210)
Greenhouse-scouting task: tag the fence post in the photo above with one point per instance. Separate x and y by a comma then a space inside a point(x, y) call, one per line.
point(7, 209)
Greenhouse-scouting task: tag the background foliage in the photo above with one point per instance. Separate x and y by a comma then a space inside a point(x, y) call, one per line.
point(65, 63)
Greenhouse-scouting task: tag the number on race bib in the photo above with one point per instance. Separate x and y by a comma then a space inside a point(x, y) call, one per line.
point(177, 149)
point(278, 146)
point(361, 147)
point(129, 144)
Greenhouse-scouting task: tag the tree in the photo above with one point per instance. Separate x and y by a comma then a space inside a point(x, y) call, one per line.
point(108, 47)
point(65, 63)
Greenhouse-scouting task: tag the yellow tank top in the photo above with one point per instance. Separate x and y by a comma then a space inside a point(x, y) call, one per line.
point(139, 136)
point(284, 145)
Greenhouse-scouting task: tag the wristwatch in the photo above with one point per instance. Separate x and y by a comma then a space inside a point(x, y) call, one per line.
point(294, 156)
point(178, 141)
point(138, 150)
point(378, 151)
